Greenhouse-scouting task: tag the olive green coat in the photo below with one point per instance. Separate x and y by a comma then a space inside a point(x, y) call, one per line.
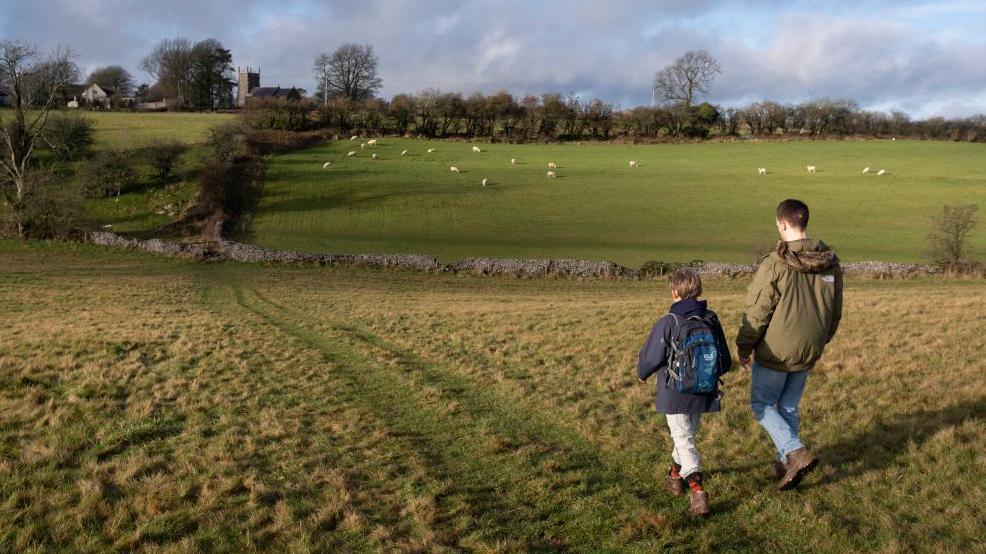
point(793, 306)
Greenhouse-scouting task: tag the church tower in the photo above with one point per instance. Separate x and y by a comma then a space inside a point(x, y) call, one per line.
point(248, 81)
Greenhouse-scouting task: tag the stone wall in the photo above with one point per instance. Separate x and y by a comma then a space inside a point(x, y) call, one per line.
point(222, 249)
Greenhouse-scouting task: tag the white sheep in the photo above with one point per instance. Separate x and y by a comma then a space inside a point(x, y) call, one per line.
point(866, 170)
point(551, 165)
point(882, 172)
point(374, 156)
point(454, 169)
point(633, 163)
point(476, 149)
point(551, 174)
point(404, 153)
point(513, 161)
point(485, 181)
point(810, 168)
point(351, 153)
point(354, 137)
point(371, 142)
point(326, 165)
point(762, 170)
point(430, 150)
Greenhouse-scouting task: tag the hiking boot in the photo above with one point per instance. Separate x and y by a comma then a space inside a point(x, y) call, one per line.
point(779, 470)
point(799, 463)
point(674, 482)
point(698, 504)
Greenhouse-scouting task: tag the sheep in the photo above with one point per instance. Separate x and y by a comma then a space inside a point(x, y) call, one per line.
point(762, 170)
point(374, 156)
point(513, 161)
point(351, 153)
point(404, 153)
point(551, 174)
point(881, 172)
point(326, 165)
point(430, 150)
point(810, 168)
point(107, 226)
point(354, 137)
point(362, 145)
point(866, 170)
point(371, 142)
point(476, 149)
point(485, 181)
point(633, 163)
point(552, 165)
point(454, 169)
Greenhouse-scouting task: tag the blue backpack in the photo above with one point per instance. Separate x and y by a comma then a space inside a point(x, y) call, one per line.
point(693, 367)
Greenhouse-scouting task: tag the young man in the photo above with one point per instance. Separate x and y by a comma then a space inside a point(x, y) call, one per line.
point(689, 317)
point(793, 308)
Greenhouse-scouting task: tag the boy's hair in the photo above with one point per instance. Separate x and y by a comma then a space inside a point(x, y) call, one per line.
point(686, 282)
point(794, 213)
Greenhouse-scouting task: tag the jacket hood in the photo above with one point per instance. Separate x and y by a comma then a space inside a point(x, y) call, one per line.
point(806, 255)
point(689, 307)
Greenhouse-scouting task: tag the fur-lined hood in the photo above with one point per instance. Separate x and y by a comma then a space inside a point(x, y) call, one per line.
point(806, 255)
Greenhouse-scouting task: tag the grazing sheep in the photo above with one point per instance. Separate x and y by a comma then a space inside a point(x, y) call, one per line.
point(404, 153)
point(454, 169)
point(894, 139)
point(430, 150)
point(633, 163)
point(371, 142)
point(354, 137)
point(810, 168)
point(551, 165)
point(551, 174)
point(362, 145)
point(351, 153)
point(326, 165)
point(866, 170)
point(374, 156)
point(485, 181)
point(476, 149)
point(107, 226)
point(762, 170)
point(513, 161)
point(882, 172)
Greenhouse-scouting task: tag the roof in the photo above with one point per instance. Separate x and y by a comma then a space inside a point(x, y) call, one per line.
point(106, 90)
point(273, 92)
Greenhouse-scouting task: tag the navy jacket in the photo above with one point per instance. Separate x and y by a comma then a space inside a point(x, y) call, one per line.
point(656, 351)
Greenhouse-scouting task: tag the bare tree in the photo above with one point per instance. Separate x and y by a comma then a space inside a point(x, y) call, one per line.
point(171, 63)
point(949, 238)
point(693, 72)
point(350, 71)
point(112, 77)
point(33, 80)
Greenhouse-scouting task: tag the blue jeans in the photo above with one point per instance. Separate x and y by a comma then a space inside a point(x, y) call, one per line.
point(774, 398)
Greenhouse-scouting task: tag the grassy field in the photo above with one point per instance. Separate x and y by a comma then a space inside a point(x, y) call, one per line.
point(151, 404)
point(135, 130)
point(684, 202)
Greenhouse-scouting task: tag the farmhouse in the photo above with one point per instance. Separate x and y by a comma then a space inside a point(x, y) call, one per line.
point(248, 89)
point(96, 95)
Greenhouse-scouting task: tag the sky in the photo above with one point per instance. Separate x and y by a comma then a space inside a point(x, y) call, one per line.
point(926, 58)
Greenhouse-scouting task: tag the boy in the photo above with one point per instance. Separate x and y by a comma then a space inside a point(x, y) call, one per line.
point(684, 410)
point(793, 309)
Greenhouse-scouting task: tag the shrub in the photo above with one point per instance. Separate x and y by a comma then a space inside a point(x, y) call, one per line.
point(49, 210)
point(108, 173)
point(165, 154)
point(69, 135)
point(227, 142)
point(949, 238)
point(226, 188)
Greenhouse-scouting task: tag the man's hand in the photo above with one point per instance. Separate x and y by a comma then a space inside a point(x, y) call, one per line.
point(641, 380)
point(745, 361)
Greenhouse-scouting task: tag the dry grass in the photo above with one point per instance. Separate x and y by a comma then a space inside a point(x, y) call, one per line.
point(147, 404)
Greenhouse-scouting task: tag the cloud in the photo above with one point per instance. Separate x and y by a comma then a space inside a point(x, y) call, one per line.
point(922, 56)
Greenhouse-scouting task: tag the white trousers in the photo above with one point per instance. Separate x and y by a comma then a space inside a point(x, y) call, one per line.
point(683, 428)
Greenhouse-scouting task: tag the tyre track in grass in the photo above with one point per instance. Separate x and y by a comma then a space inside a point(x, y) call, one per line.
point(571, 491)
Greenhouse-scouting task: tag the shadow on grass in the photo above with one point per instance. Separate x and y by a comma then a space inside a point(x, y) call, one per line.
point(881, 445)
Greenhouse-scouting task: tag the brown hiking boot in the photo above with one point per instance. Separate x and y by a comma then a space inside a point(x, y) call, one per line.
point(799, 463)
point(674, 485)
point(698, 504)
point(779, 470)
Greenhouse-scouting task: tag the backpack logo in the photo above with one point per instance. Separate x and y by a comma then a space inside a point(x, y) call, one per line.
point(693, 366)
point(828, 278)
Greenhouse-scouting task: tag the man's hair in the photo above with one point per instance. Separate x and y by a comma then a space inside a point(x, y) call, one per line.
point(794, 213)
point(686, 282)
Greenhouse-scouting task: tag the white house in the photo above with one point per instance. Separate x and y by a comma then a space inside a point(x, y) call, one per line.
point(96, 95)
